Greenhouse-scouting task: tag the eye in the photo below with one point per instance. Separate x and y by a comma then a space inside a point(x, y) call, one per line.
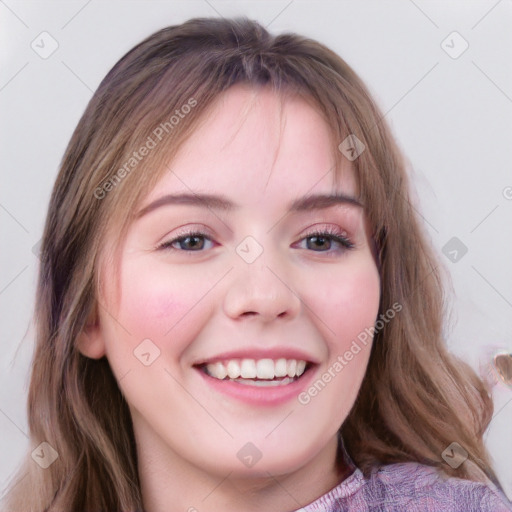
point(317, 241)
point(192, 241)
point(322, 240)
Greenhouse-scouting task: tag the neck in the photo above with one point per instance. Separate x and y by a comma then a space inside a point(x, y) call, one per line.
point(171, 484)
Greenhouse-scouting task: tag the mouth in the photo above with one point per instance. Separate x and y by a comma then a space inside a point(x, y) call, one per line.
point(264, 372)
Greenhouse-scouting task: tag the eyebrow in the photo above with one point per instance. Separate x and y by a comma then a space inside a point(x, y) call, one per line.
point(215, 202)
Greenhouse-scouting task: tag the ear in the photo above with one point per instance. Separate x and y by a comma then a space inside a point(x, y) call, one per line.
point(90, 341)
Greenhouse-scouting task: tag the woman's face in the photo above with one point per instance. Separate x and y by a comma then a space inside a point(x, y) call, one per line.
point(226, 294)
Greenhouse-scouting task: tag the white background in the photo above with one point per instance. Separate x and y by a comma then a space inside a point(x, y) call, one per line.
point(452, 117)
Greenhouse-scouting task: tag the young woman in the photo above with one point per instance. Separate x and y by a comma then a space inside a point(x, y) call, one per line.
point(237, 308)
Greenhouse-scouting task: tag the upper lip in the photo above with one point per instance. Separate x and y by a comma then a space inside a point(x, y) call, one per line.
point(259, 353)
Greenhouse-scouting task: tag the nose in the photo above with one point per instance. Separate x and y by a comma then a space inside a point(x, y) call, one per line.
point(257, 290)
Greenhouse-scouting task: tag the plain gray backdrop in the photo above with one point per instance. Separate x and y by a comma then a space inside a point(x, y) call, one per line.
point(440, 71)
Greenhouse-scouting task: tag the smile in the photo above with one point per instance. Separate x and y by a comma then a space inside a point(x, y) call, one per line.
point(265, 382)
point(259, 377)
point(257, 372)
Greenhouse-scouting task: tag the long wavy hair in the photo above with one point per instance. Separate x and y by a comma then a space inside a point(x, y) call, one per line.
point(416, 398)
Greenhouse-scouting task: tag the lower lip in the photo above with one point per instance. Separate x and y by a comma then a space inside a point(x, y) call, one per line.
point(258, 395)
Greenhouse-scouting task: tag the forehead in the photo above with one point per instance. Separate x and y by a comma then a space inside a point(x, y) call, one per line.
point(258, 146)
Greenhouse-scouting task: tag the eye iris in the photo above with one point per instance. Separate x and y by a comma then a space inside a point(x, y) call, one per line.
point(319, 241)
point(197, 242)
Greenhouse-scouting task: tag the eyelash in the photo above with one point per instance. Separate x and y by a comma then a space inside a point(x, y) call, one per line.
point(331, 233)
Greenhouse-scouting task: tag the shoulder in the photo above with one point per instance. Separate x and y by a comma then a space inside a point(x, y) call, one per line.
point(415, 487)
point(410, 487)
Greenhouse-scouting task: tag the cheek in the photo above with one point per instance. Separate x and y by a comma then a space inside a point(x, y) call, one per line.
point(155, 303)
point(347, 302)
point(358, 299)
point(347, 305)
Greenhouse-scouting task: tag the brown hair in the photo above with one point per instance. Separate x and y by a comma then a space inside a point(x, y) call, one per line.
point(416, 398)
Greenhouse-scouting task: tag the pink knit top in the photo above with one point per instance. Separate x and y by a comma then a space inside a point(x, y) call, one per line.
point(409, 487)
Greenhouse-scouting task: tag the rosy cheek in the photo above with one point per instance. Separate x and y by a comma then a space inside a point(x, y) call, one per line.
point(352, 305)
point(361, 295)
point(165, 309)
point(152, 307)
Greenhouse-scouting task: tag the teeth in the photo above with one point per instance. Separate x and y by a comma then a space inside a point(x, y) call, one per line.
point(233, 370)
point(280, 368)
point(265, 383)
point(291, 367)
point(220, 371)
point(264, 369)
point(248, 369)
